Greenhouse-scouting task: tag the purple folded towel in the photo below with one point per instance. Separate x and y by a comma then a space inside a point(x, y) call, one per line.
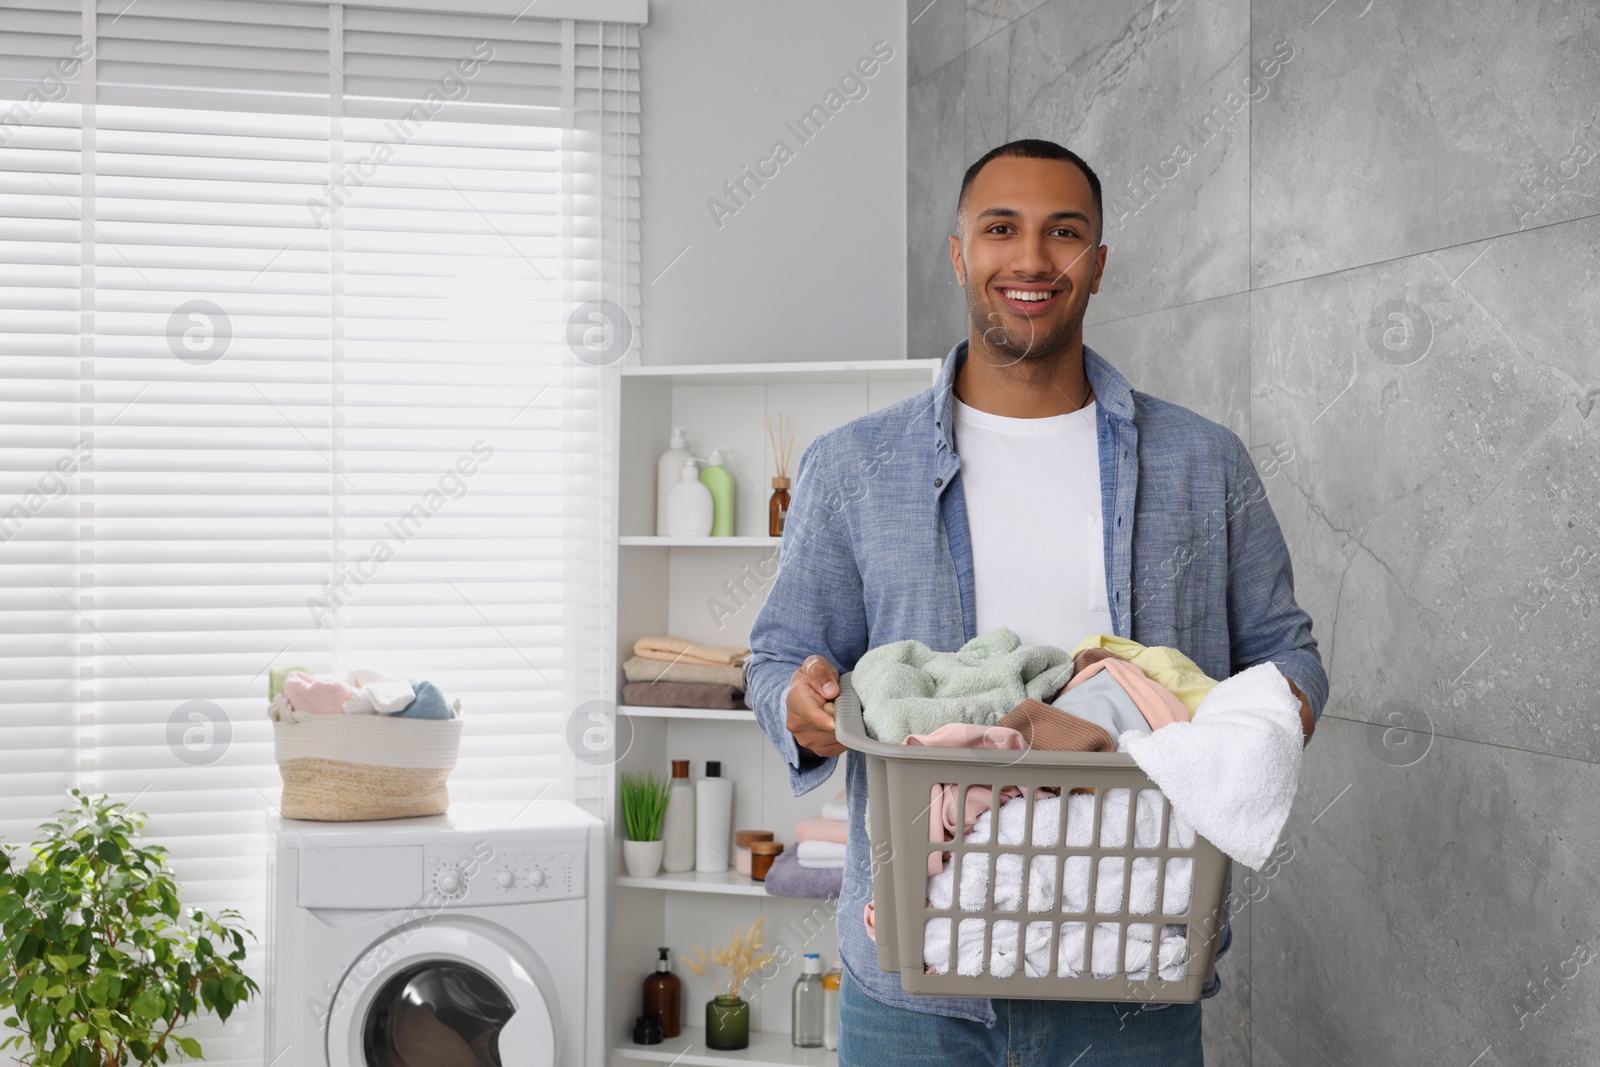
point(788, 879)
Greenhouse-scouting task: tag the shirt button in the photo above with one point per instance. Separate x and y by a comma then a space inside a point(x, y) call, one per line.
point(937, 482)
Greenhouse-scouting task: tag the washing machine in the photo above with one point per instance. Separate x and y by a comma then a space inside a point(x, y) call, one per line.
point(446, 941)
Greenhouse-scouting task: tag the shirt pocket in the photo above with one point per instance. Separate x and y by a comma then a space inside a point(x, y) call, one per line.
point(1171, 572)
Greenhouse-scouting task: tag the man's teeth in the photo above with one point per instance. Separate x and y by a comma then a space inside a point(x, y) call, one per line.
point(1026, 294)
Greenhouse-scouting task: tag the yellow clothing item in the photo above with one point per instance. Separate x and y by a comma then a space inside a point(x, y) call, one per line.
point(1165, 666)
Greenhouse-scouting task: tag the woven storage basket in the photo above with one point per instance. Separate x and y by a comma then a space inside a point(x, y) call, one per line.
point(899, 781)
point(350, 768)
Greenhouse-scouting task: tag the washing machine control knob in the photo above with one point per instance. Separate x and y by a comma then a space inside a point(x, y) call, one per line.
point(536, 878)
point(451, 881)
point(505, 879)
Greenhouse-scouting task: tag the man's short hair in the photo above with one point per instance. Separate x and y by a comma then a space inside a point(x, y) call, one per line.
point(1034, 148)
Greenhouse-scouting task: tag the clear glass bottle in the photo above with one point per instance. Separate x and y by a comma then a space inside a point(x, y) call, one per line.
point(808, 1003)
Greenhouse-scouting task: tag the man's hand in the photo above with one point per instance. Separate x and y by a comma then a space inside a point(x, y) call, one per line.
point(1307, 722)
point(810, 719)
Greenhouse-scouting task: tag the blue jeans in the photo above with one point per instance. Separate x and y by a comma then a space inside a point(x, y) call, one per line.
point(1045, 1033)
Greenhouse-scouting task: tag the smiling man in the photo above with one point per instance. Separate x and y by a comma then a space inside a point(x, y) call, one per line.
point(1031, 488)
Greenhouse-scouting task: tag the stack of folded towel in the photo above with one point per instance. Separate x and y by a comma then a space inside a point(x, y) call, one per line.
point(671, 672)
point(297, 695)
point(814, 867)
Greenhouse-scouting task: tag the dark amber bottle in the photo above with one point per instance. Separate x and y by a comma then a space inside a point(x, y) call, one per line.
point(778, 509)
point(663, 996)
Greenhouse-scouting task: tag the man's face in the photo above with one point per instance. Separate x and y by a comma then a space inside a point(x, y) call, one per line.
point(1027, 256)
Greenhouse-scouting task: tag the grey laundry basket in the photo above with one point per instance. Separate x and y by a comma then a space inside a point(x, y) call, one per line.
point(900, 779)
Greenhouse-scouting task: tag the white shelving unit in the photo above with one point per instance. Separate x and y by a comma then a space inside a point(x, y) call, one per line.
point(709, 589)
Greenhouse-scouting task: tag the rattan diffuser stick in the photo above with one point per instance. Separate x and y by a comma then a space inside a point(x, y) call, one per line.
point(782, 441)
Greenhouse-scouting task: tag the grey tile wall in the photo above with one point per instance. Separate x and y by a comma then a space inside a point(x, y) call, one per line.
point(1365, 235)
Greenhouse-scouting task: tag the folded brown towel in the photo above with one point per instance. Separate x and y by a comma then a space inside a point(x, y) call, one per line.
point(683, 695)
point(639, 669)
point(1045, 727)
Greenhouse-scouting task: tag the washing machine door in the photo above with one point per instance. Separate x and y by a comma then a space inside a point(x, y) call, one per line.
point(441, 996)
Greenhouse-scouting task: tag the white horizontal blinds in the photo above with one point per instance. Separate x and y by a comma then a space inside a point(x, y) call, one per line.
point(211, 388)
point(452, 395)
point(41, 53)
point(42, 445)
point(603, 142)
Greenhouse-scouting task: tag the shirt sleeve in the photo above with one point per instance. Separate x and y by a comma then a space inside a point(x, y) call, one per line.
point(1265, 623)
point(815, 608)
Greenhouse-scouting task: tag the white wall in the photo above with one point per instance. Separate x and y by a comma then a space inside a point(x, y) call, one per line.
point(812, 266)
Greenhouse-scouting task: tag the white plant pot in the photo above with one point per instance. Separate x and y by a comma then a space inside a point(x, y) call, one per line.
point(642, 858)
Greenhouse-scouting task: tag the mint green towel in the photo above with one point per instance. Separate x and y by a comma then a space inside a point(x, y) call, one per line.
point(907, 688)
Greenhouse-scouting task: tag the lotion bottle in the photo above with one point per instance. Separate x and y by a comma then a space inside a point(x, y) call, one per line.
point(669, 471)
point(717, 479)
point(713, 805)
point(677, 830)
point(689, 509)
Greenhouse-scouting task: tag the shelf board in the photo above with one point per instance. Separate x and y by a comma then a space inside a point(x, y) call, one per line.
point(766, 1050)
point(820, 372)
point(642, 541)
point(729, 882)
point(722, 714)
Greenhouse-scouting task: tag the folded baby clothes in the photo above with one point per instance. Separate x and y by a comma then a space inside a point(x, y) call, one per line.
point(683, 695)
point(1232, 772)
point(836, 809)
point(1158, 704)
point(313, 696)
point(1102, 700)
point(678, 650)
point(1166, 666)
point(907, 688)
point(379, 697)
point(429, 704)
point(1052, 729)
point(640, 669)
point(787, 878)
point(820, 854)
point(817, 828)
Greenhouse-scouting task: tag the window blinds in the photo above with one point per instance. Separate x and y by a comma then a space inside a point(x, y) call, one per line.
point(285, 380)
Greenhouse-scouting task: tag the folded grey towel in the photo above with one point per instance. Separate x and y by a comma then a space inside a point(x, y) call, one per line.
point(788, 879)
point(639, 669)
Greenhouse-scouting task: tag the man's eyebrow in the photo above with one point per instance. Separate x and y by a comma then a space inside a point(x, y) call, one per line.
point(1013, 213)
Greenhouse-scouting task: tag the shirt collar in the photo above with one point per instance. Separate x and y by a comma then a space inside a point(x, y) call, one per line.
point(1111, 390)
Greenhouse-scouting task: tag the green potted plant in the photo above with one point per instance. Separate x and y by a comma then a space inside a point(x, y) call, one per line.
point(97, 969)
point(644, 806)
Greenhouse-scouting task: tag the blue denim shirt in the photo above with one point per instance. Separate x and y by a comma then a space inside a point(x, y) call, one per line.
point(876, 549)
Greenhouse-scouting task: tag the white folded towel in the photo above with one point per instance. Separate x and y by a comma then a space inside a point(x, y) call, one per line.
point(836, 809)
point(377, 695)
point(820, 855)
point(1075, 891)
point(1036, 951)
point(1231, 771)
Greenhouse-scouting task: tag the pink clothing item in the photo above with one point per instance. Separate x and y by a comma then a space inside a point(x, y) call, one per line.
point(817, 828)
point(1159, 705)
point(970, 735)
point(309, 696)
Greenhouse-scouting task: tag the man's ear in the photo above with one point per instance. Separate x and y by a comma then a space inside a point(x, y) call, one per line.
point(956, 261)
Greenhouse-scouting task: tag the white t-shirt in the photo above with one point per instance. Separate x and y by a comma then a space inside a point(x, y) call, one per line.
point(1032, 489)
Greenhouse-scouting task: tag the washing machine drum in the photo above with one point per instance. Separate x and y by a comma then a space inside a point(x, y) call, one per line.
point(436, 1014)
point(449, 998)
